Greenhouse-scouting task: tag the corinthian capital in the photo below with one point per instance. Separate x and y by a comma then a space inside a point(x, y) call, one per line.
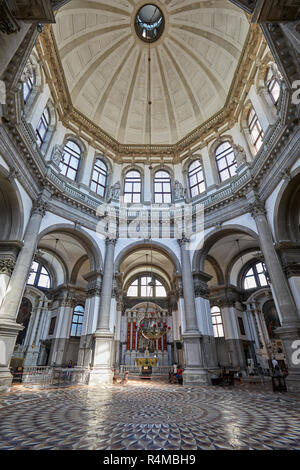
point(257, 208)
point(39, 207)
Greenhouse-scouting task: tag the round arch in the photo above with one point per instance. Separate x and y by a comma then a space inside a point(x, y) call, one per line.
point(212, 237)
point(144, 244)
point(286, 203)
point(93, 250)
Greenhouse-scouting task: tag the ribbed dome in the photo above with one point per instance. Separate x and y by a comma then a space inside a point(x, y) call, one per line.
point(192, 67)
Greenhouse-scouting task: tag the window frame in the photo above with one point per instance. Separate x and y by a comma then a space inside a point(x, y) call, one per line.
point(218, 316)
point(223, 155)
point(255, 275)
point(32, 82)
point(139, 286)
point(195, 173)
point(71, 153)
point(252, 124)
point(45, 123)
point(271, 83)
point(38, 273)
point(100, 172)
point(131, 181)
point(162, 180)
point(77, 323)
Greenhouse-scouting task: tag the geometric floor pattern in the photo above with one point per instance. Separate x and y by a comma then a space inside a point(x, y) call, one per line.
point(143, 416)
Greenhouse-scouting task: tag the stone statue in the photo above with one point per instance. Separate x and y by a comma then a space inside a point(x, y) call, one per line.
point(57, 155)
point(114, 192)
point(179, 191)
point(240, 155)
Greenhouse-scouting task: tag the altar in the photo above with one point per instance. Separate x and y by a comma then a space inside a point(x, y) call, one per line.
point(146, 361)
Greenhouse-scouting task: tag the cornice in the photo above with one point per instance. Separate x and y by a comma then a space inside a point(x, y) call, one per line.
point(72, 118)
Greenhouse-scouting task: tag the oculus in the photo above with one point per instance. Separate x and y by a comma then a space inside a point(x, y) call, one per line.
point(149, 23)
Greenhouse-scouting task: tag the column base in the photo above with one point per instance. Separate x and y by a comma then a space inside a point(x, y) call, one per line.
point(101, 372)
point(195, 377)
point(100, 376)
point(290, 337)
point(8, 333)
point(5, 381)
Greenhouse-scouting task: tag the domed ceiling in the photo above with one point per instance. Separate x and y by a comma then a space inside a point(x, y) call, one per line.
point(192, 65)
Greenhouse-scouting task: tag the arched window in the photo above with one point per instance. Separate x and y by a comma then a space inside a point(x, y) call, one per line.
point(196, 179)
point(162, 187)
point(99, 178)
point(226, 162)
point(77, 320)
point(256, 276)
point(42, 127)
point(132, 187)
point(217, 322)
point(28, 86)
point(255, 129)
point(71, 159)
point(146, 286)
point(39, 276)
point(273, 85)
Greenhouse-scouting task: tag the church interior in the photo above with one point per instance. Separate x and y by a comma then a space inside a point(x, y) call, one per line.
point(150, 225)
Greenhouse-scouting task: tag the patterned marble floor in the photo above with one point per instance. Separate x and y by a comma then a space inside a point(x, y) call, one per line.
point(149, 416)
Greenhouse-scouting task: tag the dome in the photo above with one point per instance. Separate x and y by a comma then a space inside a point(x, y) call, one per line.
point(193, 64)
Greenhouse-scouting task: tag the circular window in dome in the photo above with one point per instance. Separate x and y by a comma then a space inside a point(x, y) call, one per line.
point(149, 23)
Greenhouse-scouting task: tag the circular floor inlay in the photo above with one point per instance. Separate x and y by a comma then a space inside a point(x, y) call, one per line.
point(149, 23)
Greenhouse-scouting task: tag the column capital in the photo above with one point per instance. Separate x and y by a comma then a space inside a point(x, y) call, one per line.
point(39, 206)
point(7, 265)
point(257, 208)
point(182, 241)
point(110, 241)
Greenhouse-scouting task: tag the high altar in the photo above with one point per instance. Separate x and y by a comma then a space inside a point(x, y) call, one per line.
point(135, 347)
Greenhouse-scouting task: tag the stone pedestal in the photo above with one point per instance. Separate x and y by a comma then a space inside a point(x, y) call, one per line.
point(194, 374)
point(8, 333)
point(290, 337)
point(102, 371)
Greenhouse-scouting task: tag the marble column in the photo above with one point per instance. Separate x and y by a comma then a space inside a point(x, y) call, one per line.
point(101, 372)
point(90, 319)
point(9, 329)
point(289, 332)
point(204, 319)
point(194, 372)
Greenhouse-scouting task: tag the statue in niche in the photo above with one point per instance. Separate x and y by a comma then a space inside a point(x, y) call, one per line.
point(240, 155)
point(114, 192)
point(179, 190)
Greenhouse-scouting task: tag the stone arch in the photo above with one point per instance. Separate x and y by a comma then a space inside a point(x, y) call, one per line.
point(76, 269)
point(93, 250)
point(147, 244)
point(286, 206)
point(212, 237)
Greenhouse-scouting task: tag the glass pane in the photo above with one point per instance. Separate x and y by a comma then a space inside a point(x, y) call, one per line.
point(262, 280)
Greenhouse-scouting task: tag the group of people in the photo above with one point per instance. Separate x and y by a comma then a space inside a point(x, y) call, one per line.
point(176, 373)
